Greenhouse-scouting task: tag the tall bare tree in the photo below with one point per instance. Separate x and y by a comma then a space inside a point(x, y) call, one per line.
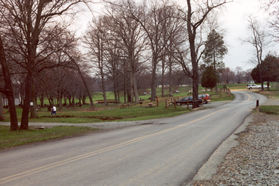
point(153, 22)
point(196, 14)
point(258, 41)
point(95, 39)
point(131, 40)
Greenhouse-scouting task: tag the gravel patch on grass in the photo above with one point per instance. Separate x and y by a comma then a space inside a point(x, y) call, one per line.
point(255, 161)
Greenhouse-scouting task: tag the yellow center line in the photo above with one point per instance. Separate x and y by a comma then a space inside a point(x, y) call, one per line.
point(97, 152)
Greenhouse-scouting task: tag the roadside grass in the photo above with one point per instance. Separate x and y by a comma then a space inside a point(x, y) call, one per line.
point(270, 94)
point(273, 92)
point(270, 109)
point(221, 96)
point(15, 138)
point(237, 86)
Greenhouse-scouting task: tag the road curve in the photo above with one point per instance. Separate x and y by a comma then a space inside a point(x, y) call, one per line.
point(166, 152)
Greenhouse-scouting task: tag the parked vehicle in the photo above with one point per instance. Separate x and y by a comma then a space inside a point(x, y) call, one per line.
point(255, 86)
point(205, 98)
point(188, 100)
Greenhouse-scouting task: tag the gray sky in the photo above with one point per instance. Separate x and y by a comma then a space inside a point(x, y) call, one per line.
point(232, 19)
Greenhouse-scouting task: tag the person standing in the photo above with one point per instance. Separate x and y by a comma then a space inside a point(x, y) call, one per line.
point(53, 110)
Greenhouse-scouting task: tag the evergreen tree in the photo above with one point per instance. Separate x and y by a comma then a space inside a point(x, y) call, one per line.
point(215, 50)
point(209, 78)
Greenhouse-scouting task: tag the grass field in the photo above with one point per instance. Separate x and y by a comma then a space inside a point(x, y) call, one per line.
point(11, 139)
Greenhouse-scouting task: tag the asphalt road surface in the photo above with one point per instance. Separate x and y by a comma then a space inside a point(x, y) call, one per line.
point(167, 152)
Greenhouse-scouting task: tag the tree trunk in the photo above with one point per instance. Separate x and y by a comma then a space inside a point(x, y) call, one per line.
point(70, 100)
point(192, 37)
point(153, 79)
point(26, 104)
point(1, 108)
point(73, 101)
point(195, 85)
point(163, 77)
point(131, 85)
point(33, 113)
point(83, 100)
point(65, 101)
point(8, 88)
point(60, 103)
point(42, 100)
point(170, 76)
point(195, 69)
point(135, 88)
point(86, 87)
point(104, 88)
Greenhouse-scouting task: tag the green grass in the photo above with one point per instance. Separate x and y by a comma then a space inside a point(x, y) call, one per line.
point(237, 86)
point(269, 109)
point(15, 138)
point(221, 96)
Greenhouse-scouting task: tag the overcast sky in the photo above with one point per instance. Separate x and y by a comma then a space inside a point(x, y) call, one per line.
point(232, 19)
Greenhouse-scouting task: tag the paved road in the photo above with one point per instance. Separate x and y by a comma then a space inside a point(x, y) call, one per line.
point(165, 152)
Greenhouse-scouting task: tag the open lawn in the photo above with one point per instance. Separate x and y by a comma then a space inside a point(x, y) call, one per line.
point(15, 138)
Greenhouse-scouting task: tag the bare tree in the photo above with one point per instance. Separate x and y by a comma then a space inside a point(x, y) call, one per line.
point(95, 39)
point(153, 23)
point(130, 37)
point(227, 76)
point(258, 41)
point(195, 16)
point(74, 59)
point(8, 88)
